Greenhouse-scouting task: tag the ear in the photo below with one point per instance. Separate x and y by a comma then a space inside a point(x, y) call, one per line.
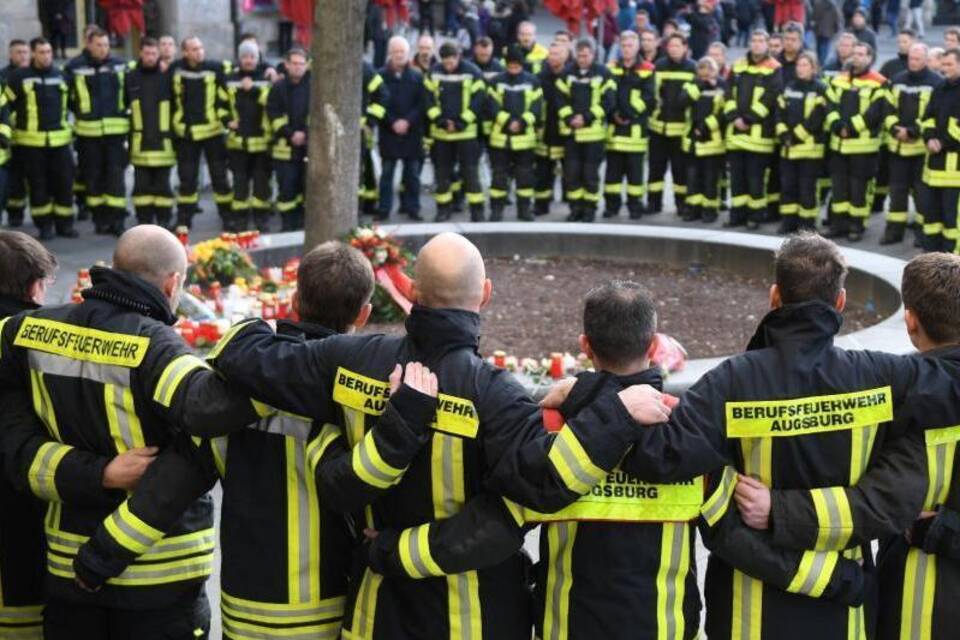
point(295, 302)
point(414, 292)
point(37, 291)
point(841, 302)
point(487, 293)
point(584, 343)
point(363, 317)
point(171, 285)
point(912, 323)
point(775, 300)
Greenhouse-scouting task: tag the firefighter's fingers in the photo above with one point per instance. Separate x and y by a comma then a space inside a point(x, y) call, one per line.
point(558, 393)
point(395, 379)
point(645, 404)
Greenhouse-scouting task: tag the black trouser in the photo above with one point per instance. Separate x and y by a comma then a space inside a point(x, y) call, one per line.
point(939, 207)
point(448, 154)
point(291, 185)
point(188, 170)
point(49, 173)
point(703, 186)
point(368, 181)
point(906, 179)
point(16, 187)
point(884, 178)
point(666, 151)
point(623, 165)
point(773, 186)
point(506, 164)
point(152, 195)
point(798, 191)
point(103, 161)
point(748, 185)
point(581, 172)
point(247, 168)
point(545, 177)
point(188, 619)
point(850, 176)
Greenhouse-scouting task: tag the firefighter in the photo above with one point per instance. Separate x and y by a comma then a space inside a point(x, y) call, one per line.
point(754, 86)
point(941, 178)
point(483, 419)
point(96, 80)
point(148, 91)
point(705, 99)
point(41, 136)
point(667, 124)
point(200, 115)
point(490, 67)
point(588, 98)
point(14, 198)
point(110, 375)
point(910, 93)
point(517, 111)
point(627, 132)
point(792, 47)
point(456, 95)
point(858, 105)
point(801, 111)
point(534, 53)
point(248, 142)
point(550, 139)
point(373, 109)
point(289, 108)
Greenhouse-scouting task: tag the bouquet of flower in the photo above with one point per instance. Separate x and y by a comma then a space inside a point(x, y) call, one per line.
point(379, 247)
point(390, 262)
point(221, 261)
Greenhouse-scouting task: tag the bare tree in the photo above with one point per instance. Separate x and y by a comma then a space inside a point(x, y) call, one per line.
point(333, 171)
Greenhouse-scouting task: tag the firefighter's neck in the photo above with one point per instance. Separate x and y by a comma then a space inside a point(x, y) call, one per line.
point(918, 334)
point(626, 369)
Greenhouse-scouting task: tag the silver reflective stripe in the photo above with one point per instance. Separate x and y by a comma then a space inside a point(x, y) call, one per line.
point(123, 419)
point(833, 515)
point(367, 464)
point(56, 365)
point(172, 376)
point(285, 425)
point(140, 573)
point(463, 590)
point(866, 445)
point(166, 547)
point(746, 605)
point(83, 71)
point(415, 552)
point(450, 506)
point(8, 615)
point(331, 609)
point(194, 75)
point(729, 475)
point(938, 479)
point(560, 578)
point(573, 464)
point(451, 77)
point(130, 531)
point(303, 524)
point(676, 551)
point(916, 629)
point(816, 568)
point(325, 634)
point(515, 87)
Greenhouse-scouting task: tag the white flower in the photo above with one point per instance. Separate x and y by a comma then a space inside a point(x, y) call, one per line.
point(530, 365)
point(365, 233)
point(511, 363)
point(569, 362)
point(381, 233)
point(380, 256)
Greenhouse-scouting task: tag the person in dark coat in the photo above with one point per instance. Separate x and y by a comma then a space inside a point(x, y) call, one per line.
point(704, 28)
point(401, 131)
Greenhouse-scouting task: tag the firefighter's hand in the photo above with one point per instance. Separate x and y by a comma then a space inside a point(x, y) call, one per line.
point(558, 394)
point(126, 469)
point(740, 124)
point(577, 122)
point(298, 139)
point(646, 405)
point(247, 83)
point(233, 125)
point(401, 127)
point(753, 501)
point(902, 134)
point(934, 146)
point(416, 376)
point(514, 126)
point(271, 74)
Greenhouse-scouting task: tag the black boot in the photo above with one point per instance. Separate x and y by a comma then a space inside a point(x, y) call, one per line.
point(576, 212)
point(709, 215)
point(588, 212)
point(523, 211)
point(496, 211)
point(64, 227)
point(611, 207)
point(839, 226)
point(892, 233)
point(738, 218)
point(443, 213)
point(789, 224)
point(15, 220)
point(477, 214)
point(46, 228)
point(855, 230)
point(185, 218)
point(164, 217)
point(635, 208)
point(655, 203)
point(690, 213)
point(241, 221)
point(83, 212)
point(542, 208)
point(261, 220)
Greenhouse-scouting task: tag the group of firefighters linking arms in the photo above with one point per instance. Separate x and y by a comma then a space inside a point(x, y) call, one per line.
point(380, 487)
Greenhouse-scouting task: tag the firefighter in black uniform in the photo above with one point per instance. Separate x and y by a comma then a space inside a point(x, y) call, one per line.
point(38, 101)
point(627, 132)
point(801, 111)
point(588, 97)
point(107, 376)
point(483, 420)
point(149, 93)
point(705, 100)
point(490, 67)
point(96, 80)
point(372, 109)
point(289, 108)
point(15, 198)
point(910, 93)
point(456, 97)
point(517, 109)
point(248, 143)
point(550, 140)
point(200, 116)
point(667, 124)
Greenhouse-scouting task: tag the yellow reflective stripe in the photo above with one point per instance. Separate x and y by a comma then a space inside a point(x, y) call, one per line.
point(456, 415)
point(42, 473)
point(916, 608)
point(620, 497)
point(142, 575)
point(241, 630)
point(814, 573)
point(671, 581)
point(227, 337)
point(516, 511)
point(573, 464)
point(129, 531)
point(560, 541)
point(360, 392)
point(218, 447)
point(716, 505)
point(446, 475)
point(125, 429)
point(834, 518)
point(370, 467)
point(83, 93)
point(189, 544)
point(303, 527)
point(856, 624)
point(173, 374)
point(82, 343)
point(940, 461)
point(365, 610)
point(415, 553)
point(283, 613)
point(463, 603)
point(861, 445)
point(747, 607)
point(318, 446)
point(42, 405)
point(814, 414)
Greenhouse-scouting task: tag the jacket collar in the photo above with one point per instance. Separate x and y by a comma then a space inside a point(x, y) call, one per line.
point(805, 326)
point(130, 292)
point(304, 329)
point(949, 352)
point(435, 332)
point(10, 306)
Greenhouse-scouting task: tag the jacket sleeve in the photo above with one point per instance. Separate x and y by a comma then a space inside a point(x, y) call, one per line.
point(377, 98)
point(815, 122)
point(6, 132)
point(942, 536)
point(223, 96)
point(183, 472)
point(431, 93)
point(277, 113)
point(351, 478)
point(875, 115)
point(564, 102)
point(884, 502)
point(534, 115)
point(608, 98)
point(474, 110)
point(817, 574)
point(487, 531)
point(187, 393)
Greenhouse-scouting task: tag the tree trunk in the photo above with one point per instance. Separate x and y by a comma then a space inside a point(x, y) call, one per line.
point(333, 171)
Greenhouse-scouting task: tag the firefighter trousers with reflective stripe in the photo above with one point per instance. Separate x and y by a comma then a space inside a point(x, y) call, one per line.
point(188, 619)
point(798, 188)
point(581, 172)
point(703, 186)
point(291, 184)
point(906, 179)
point(464, 154)
point(250, 169)
point(851, 176)
point(16, 194)
point(506, 165)
point(939, 211)
point(102, 168)
point(188, 169)
point(50, 181)
point(665, 151)
point(545, 179)
point(749, 172)
point(152, 195)
point(621, 166)
point(368, 180)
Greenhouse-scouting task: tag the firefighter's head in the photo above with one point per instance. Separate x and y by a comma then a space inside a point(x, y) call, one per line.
point(527, 34)
point(98, 43)
point(759, 43)
point(774, 44)
point(168, 48)
point(565, 38)
point(248, 53)
point(19, 53)
point(154, 255)
point(950, 64)
point(149, 53)
point(862, 58)
point(41, 53)
point(707, 69)
point(931, 298)
point(844, 46)
point(483, 50)
point(449, 56)
point(27, 267)
point(334, 286)
point(619, 323)
point(450, 275)
point(514, 60)
point(296, 64)
point(586, 53)
point(676, 47)
point(917, 57)
point(649, 42)
point(629, 45)
point(905, 40)
point(792, 38)
point(558, 56)
point(809, 268)
point(806, 66)
point(192, 50)
point(718, 51)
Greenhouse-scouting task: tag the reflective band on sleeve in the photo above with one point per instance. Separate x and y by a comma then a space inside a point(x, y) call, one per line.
point(573, 464)
point(219, 447)
point(317, 446)
point(173, 375)
point(834, 518)
point(227, 337)
point(42, 474)
point(415, 553)
point(129, 531)
point(717, 503)
point(370, 466)
point(941, 453)
point(814, 573)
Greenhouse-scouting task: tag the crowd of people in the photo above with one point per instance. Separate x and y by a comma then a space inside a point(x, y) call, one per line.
point(381, 486)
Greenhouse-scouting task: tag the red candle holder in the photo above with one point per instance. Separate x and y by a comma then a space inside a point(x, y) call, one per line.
point(556, 365)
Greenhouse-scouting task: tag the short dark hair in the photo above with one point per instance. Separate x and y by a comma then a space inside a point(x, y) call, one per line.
point(953, 53)
point(676, 35)
point(38, 42)
point(483, 41)
point(16, 42)
point(907, 32)
point(449, 50)
point(149, 42)
point(23, 261)
point(585, 43)
point(619, 320)
point(952, 30)
point(297, 51)
point(793, 27)
point(247, 35)
point(334, 281)
point(931, 289)
point(809, 267)
point(93, 34)
point(564, 33)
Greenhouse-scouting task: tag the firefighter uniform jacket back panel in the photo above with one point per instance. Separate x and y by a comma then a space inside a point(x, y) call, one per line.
point(910, 94)
point(200, 100)
point(635, 101)
point(515, 98)
point(149, 94)
point(754, 88)
point(248, 108)
point(801, 112)
point(591, 94)
point(859, 104)
point(39, 104)
point(668, 119)
point(97, 95)
point(459, 97)
point(942, 122)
